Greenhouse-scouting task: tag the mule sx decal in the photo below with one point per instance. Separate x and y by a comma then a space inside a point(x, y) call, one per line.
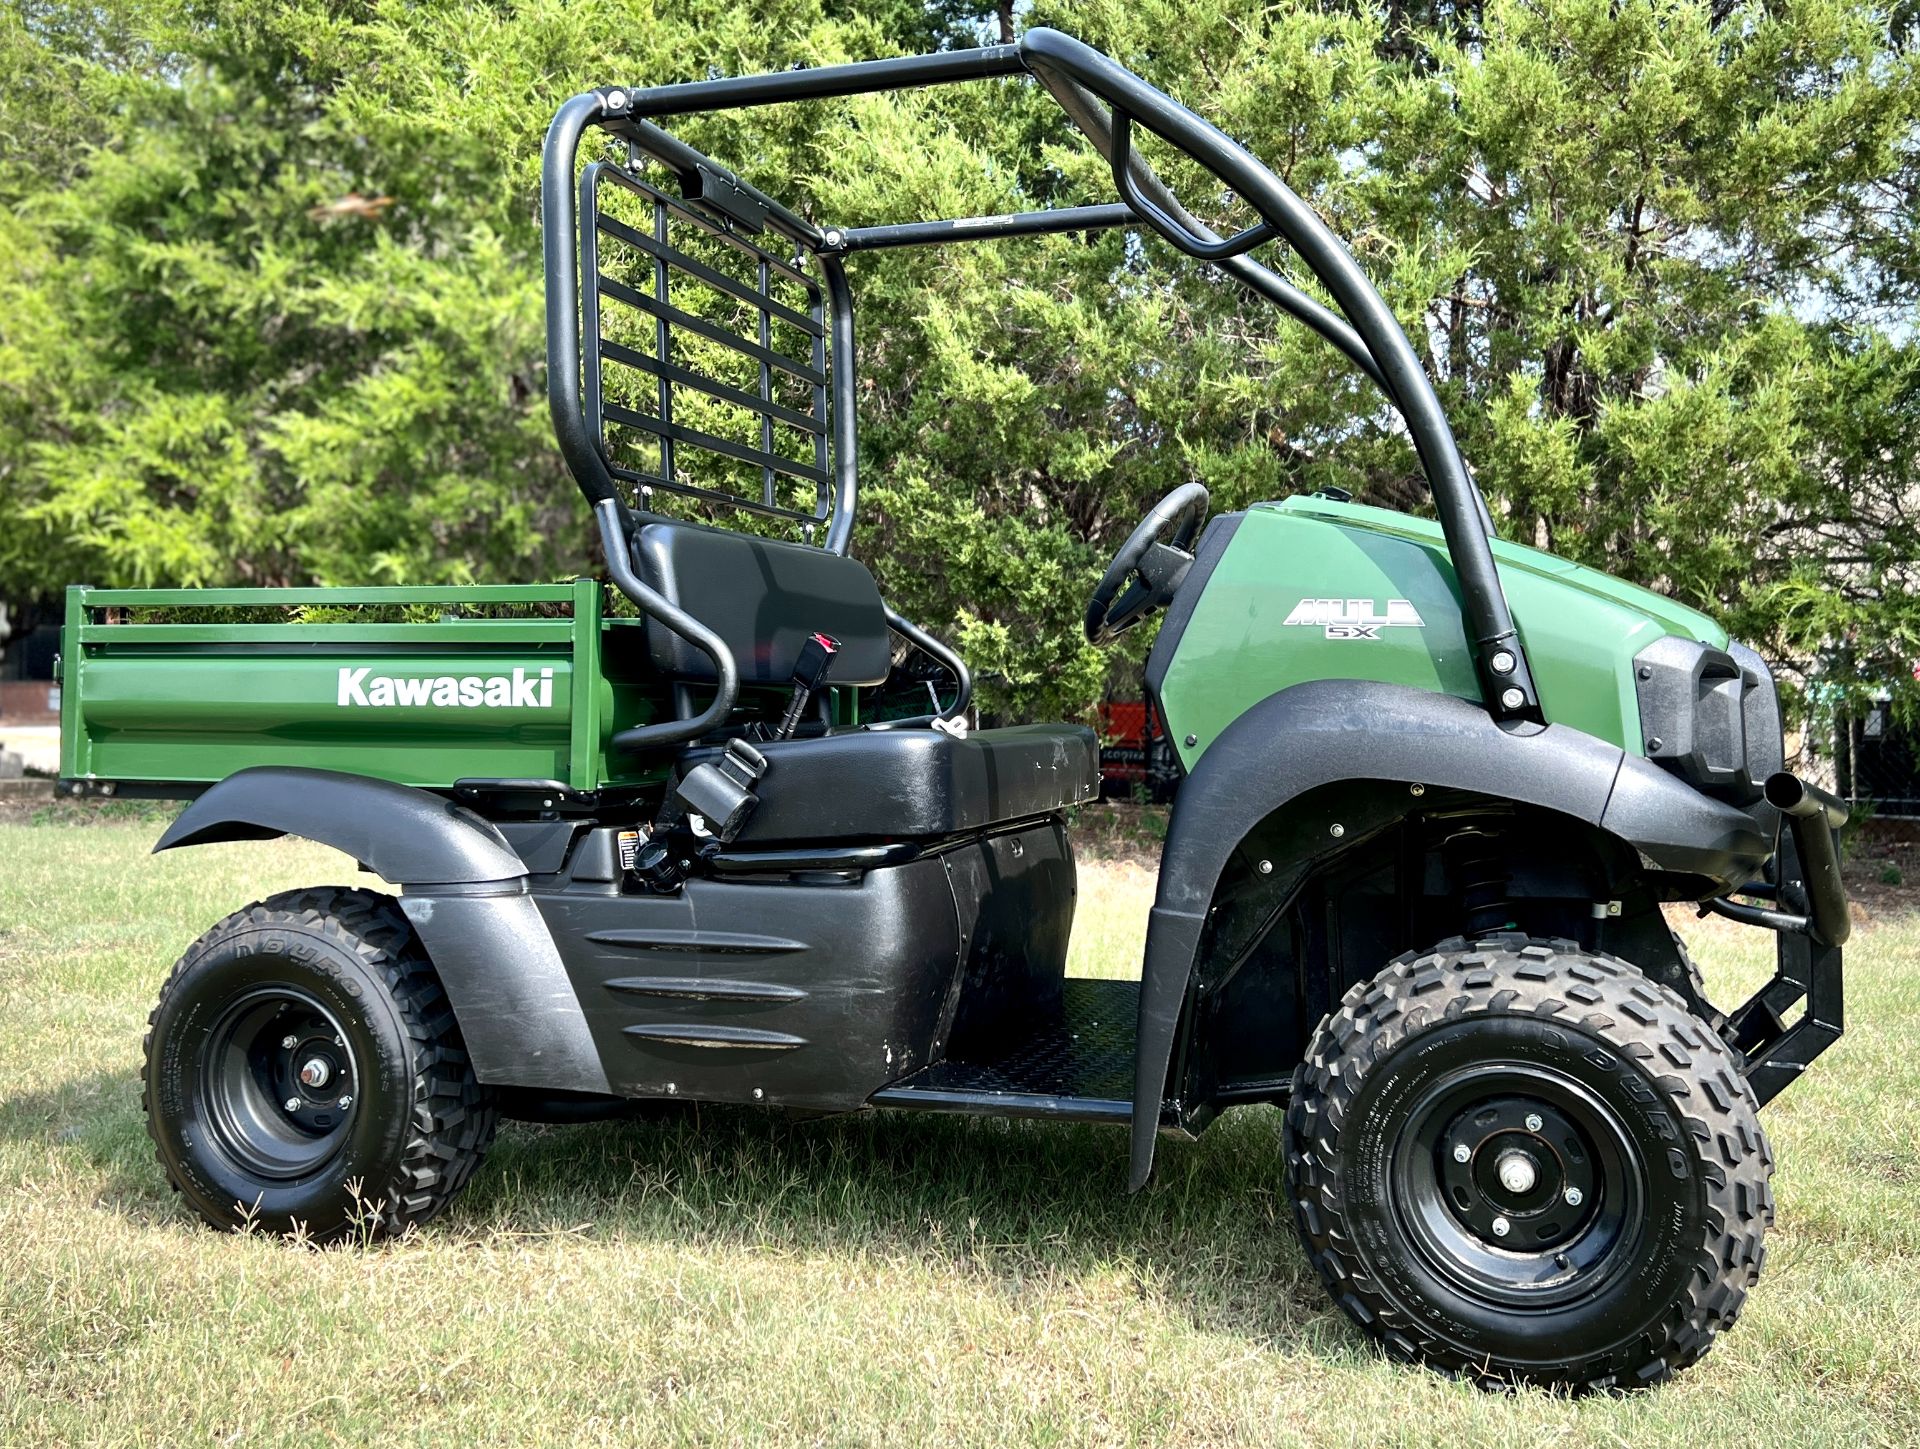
point(1355, 618)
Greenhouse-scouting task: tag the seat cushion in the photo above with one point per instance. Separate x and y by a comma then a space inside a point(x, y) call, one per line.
point(764, 597)
point(911, 783)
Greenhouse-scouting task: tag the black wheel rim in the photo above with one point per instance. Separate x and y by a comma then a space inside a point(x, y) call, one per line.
point(1518, 1185)
point(280, 1084)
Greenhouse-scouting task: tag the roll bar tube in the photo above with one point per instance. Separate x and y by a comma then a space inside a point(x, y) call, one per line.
point(1509, 692)
point(578, 445)
point(1105, 100)
point(846, 446)
point(1095, 122)
point(937, 650)
point(614, 541)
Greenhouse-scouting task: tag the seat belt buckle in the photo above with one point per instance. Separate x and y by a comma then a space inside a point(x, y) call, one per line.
point(721, 792)
point(809, 673)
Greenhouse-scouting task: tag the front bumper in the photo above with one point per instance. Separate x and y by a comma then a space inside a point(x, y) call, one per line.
point(1811, 926)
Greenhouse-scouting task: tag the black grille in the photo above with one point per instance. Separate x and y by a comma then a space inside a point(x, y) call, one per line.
point(705, 363)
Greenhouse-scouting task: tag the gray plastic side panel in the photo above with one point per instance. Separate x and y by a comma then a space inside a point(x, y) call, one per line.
point(1328, 730)
point(405, 835)
point(517, 1010)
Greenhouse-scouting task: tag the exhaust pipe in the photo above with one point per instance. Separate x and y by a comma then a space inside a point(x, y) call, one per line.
point(1814, 815)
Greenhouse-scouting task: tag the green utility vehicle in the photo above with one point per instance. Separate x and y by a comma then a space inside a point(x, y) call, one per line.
point(721, 833)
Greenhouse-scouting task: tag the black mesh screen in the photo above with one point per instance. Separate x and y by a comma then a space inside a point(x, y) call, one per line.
point(705, 357)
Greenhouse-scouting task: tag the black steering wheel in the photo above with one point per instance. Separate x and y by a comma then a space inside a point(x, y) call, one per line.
point(1155, 568)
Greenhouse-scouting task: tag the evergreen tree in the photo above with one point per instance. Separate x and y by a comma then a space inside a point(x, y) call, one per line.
point(270, 298)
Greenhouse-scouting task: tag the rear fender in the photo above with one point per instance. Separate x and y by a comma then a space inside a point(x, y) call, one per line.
point(464, 891)
point(404, 835)
point(1329, 731)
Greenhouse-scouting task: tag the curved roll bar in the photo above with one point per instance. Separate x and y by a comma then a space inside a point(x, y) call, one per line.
point(578, 445)
point(1105, 101)
point(1069, 68)
point(616, 541)
point(947, 658)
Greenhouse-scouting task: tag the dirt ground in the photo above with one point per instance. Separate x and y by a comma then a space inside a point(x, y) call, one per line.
point(1882, 867)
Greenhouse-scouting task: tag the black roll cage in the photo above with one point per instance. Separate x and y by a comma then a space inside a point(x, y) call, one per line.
point(1105, 101)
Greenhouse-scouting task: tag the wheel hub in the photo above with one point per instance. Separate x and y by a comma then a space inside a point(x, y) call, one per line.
point(280, 1083)
point(317, 1072)
point(1517, 1174)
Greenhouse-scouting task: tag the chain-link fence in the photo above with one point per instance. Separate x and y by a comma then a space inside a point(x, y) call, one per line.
point(1877, 762)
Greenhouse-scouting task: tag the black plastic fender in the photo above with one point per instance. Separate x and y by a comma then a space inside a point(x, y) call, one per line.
point(464, 891)
point(404, 835)
point(1332, 730)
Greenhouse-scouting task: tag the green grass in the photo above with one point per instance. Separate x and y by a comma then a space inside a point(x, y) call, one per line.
point(732, 1277)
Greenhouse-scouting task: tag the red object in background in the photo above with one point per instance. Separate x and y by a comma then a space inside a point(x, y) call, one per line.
point(1135, 758)
point(29, 702)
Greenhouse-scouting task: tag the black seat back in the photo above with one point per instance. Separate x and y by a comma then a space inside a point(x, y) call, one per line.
point(763, 597)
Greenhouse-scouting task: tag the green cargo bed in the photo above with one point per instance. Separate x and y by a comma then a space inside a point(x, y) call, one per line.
point(486, 682)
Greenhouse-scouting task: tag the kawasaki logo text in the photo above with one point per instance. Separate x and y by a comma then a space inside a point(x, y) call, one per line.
point(519, 690)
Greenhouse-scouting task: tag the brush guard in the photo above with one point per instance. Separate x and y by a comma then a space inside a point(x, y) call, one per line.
point(1811, 922)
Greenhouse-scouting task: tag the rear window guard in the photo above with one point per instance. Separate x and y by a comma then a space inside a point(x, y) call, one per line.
point(705, 362)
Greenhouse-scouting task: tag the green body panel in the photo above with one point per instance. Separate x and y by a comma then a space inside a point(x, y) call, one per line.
point(469, 694)
point(1349, 563)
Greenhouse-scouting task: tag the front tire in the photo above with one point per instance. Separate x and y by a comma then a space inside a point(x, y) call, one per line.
point(304, 1072)
point(1518, 1161)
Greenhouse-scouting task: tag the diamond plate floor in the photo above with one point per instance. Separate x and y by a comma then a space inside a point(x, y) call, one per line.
point(1087, 1053)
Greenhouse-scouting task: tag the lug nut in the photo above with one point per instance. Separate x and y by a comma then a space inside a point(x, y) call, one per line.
point(288, 1043)
point(293, 1104)
point(1572, 1196)
point(1462, 1152)
point(1501, 1227)
point(346, 1102)
point(1533, 1122)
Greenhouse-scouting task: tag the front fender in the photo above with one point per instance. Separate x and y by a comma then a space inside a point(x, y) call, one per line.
point(1333, 730)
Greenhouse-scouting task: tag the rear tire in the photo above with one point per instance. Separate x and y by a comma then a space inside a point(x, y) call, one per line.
point(304, 1072)
point(1518, 1161)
